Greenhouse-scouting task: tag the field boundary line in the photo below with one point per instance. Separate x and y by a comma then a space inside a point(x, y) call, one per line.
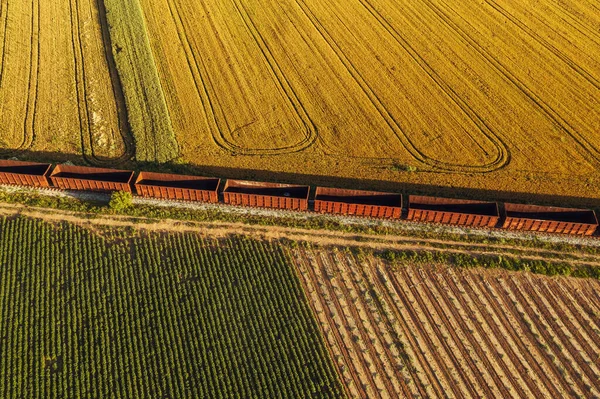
point(300, 262)
point(87, 143)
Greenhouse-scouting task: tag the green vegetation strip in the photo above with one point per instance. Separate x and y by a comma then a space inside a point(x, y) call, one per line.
point(146, 106)
point(123, 314)
point(507, 262)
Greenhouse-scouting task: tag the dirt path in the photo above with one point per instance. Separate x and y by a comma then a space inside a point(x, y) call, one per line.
point(398, 225)
point(320, 237)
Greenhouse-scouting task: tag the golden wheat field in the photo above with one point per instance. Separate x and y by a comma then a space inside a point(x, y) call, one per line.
point(495, 94)
point(57, 89)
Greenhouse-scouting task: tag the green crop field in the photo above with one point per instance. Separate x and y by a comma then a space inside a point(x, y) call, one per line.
point(120, 314)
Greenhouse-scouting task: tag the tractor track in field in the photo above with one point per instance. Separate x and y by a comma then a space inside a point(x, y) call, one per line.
point(28, 126)
point(502, 157)
point(577, 25)
point(3, 25)
point(80, 79)
point(32, 92)
point(577, 16)
point(210, 99)
point(501, 149)
point(537, 101)
point(551, 48)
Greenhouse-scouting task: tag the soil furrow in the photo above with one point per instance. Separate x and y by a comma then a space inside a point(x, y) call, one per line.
point(343, 312)
point(331, 329)
point(483, 352)
point(542, 342)
point(372, 329)
point(497, 340)
point(421, 340)
point(577, 365)
point(453, 370)
point(510, 330)
point(375, 274)
point(444, 329)
point(570, 313)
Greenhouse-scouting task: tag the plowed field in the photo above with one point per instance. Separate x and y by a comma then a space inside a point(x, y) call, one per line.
point(403, 331)
point(59, 91)
point(495, 94)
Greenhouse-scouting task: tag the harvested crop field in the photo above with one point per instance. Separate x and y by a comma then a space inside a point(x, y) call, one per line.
point(434, 331)
point(494, 94)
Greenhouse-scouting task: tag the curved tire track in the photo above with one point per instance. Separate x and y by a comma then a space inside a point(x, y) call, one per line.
point(502, 153)
point(32, 82)
point(559, 121)
point(209, 99)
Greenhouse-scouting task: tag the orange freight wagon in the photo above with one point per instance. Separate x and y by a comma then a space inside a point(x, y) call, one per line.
point(453, 211)
point(358, 202)
point(266, 195)
point(71, 177)
point(24, 173)
point(550, 219)
point(177, 187)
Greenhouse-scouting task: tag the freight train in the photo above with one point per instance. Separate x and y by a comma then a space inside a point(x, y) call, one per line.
point(296, 197)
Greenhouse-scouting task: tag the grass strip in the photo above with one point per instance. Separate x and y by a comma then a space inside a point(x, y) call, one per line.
point(146, 106)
